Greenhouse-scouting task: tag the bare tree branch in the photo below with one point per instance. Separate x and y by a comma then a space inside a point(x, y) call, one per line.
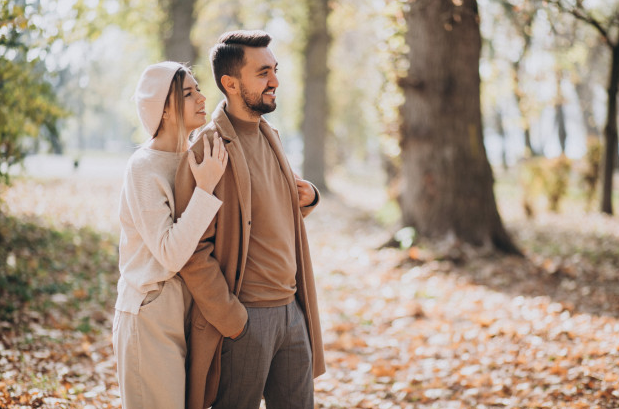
point(580, 13)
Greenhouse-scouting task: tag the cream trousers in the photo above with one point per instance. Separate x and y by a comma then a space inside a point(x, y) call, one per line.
point(150, 349)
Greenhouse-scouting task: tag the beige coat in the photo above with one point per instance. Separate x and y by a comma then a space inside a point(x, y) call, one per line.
point(214, 273)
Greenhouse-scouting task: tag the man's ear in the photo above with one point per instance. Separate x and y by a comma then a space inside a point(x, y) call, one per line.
point(230, 84)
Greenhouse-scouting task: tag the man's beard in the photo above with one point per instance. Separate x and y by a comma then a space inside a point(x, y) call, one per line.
point(254, 103)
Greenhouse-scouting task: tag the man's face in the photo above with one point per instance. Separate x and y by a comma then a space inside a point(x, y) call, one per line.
point(259, 81)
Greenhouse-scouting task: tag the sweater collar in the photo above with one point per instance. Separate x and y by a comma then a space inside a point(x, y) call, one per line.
point(244, 128)
point(220, 118)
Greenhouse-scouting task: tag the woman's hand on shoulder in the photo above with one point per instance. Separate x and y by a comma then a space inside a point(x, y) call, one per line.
point(209, 171)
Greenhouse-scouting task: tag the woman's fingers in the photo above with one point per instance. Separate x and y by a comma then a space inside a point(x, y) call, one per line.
point(217, 152)
point(217, 147)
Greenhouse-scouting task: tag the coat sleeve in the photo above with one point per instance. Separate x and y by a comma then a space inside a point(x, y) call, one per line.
point(202, 273)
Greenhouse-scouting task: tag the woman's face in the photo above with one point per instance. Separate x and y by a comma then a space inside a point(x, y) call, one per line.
point(194, 111)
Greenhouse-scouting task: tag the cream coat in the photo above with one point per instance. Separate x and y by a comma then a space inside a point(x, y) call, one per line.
point(214, 274)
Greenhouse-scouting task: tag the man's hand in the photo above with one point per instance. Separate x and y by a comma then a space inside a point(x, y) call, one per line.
point(307, 194)
point(235, 336)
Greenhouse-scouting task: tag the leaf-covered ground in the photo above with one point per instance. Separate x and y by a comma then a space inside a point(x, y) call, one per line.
point(437, 326)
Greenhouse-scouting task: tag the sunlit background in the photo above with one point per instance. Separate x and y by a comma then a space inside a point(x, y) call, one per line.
point(411, 318)
point(93, 52)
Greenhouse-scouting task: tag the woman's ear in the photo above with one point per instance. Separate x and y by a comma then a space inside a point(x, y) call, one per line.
point(165, 114)
point(230, 84)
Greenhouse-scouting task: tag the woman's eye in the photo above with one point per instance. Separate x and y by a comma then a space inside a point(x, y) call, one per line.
point(188, 94)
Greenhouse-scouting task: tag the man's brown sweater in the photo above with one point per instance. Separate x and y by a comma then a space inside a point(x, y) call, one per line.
point(271, 266)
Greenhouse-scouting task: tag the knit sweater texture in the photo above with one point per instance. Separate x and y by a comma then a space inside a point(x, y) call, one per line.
point(152, 247)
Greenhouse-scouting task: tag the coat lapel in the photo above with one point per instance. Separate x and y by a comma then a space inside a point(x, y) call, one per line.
point(240, 171)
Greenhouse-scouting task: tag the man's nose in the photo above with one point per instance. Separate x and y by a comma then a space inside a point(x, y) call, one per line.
point(273, 81)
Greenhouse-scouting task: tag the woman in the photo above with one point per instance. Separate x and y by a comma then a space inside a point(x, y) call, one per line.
point(153, 302)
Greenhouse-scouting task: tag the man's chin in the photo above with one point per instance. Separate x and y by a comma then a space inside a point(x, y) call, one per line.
point(266, 108)
point(261, 108)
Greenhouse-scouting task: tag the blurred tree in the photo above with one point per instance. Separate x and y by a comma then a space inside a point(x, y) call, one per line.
point(361, 65)
point(27, 100)
point(607, 26)
point(583, 78)
point(497, 89)
point(448, 182)
point(500, 130)
point(567, 43)
point(522, 17)
point(315, 101)
point(579, 54)
point(560, 112)
point(176, 30)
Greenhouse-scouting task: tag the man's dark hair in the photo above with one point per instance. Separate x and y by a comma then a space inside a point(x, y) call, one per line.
point(228, 55)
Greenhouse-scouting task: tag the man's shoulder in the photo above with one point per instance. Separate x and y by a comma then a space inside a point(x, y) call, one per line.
point(208, 129)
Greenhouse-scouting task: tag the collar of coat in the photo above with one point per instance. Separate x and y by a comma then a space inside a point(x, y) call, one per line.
point(227, 132)
point(225, 129)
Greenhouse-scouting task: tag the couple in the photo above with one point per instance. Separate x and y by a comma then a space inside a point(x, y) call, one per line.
point(227, 215)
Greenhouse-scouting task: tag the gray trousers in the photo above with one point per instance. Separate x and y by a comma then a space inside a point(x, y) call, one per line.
point(272, 358)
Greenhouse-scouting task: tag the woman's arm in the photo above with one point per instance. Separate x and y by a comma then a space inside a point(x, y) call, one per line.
point(171, 243)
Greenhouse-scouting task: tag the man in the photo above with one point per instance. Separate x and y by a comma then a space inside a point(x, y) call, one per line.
point(255, 329)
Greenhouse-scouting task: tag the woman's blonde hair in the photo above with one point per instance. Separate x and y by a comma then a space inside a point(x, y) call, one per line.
point(176, 88)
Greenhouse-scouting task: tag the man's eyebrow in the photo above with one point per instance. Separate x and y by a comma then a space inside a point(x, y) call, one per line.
point(266, 67)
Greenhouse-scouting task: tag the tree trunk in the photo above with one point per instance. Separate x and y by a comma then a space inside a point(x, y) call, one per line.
point(520, 103)
point(315, 106)
point(81, 138)
point(176, 37)
point(448, 182)
point(498, 119)
point(560, 115)
point(610, 133)
point(54, 137)
point(585, 101)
